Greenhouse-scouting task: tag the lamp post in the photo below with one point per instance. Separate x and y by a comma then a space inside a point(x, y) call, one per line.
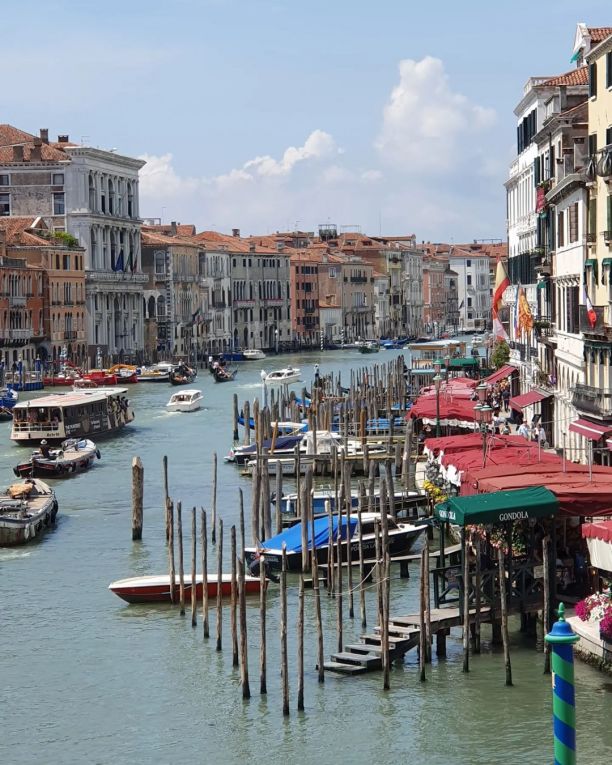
point(484, 413)
point(437, 379)
point(276, 340)
point(447, 361)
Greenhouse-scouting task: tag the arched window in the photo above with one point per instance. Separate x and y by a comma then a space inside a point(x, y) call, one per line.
point(93, 202)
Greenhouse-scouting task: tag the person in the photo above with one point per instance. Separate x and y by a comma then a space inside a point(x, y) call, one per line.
point(44, 449)
point(523, 430)
point(506, 398)
point(505, 429)
point(541, 435)
point(256, 564)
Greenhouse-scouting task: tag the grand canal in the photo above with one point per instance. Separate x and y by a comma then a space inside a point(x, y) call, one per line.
point(88, 679)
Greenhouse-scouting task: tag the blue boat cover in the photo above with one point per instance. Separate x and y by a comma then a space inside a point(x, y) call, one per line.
point(292, 537)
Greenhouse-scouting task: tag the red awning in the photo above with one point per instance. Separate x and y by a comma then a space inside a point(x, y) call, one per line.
point(501, 374)
point(590, 430)
point(598, 530)
point(527, 399)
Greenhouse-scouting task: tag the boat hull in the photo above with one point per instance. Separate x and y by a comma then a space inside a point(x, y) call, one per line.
point(16, 530)
point(156, 589)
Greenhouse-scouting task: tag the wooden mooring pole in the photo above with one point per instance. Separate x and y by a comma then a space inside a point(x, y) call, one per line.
point(244, 651)
point(300, 645)
point(171, 564)
point(422, 632)
point(263, 685)
point(546, 612)
point(317, 605)
point(137, 498)
point(166, 495)
point(179, 531)
point(205, 621)
point(234, 599)
point(213, 530)
point(219, 645)
point(504, 614)
point(283, 634)
point(194, 540)
point(466, 602)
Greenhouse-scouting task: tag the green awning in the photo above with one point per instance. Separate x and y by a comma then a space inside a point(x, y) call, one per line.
point(498, 507)
point(606, 262)
point(541, 285)
point(590, 263)
point(472, 361)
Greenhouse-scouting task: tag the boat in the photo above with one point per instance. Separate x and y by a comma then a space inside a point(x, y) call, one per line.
point(253, 354)
point(101, 377)
point(126, 373)
point(74, 414)
point(182, 375)
point(26, 509)
point(81, 384)
point(185, 401)
point(156, 588)
point(282, 376)
point(221, 374)
point(156, 373)
point(75, 455)
point(370, 347)
point(284, 446)
point(402, 536)
point(403, 502)
point(8, 399)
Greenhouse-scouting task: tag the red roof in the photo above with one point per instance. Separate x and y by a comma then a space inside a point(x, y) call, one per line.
point(578, 76)
point(451, 444)
point(501, 374)
point(456, 410)
point(599, 34)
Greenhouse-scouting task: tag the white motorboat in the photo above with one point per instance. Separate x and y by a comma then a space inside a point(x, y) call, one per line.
point(282, 376)
point(26, 508)
point(185, 401)
point(253, 354)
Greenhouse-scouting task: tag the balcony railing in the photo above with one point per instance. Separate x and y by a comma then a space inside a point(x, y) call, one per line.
point(309, 310)
point(359, 279)
point(586, 323)
point(70, 334)
point(17, 300)
point(594, 401)
point(591, 238)
point(116, 276)
point(607, 235)
point(15, 334)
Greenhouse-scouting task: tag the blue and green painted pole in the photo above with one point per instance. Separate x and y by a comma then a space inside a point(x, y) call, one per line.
point(561, 639)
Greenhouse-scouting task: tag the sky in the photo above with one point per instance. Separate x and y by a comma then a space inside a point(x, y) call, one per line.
point(389, 117)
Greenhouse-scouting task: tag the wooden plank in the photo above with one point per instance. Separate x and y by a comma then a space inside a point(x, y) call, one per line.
point(370, 662)
point(344, 669)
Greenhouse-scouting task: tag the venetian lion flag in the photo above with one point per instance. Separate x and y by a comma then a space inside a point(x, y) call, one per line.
point(502, 282)
point(525, 316)
point(590, 311)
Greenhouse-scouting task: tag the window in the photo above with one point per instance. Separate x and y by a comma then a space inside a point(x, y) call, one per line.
point(469, 280)
point(4, 180)
point(593, 80)
point(608, 70)
point(560, 232)
point(58, 203)
point(573, 223)
point(592, 144)
point(332, 273)
point(57, 179)
point(5, 204)
point(160, 263)
point(592, 230)
point(470, 315)
point(469, 302)
point(66, 262)
point(469, 264)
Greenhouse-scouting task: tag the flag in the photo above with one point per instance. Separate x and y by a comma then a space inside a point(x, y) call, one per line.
point(525, 316)
point(502, 282)
point(461, 305)
point(195, 314)
point(590, 311)
point(515, 311)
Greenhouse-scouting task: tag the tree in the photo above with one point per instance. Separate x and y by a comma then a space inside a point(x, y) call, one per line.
point(500, 355)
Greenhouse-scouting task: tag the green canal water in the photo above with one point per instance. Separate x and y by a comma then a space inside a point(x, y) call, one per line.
point(89, 679)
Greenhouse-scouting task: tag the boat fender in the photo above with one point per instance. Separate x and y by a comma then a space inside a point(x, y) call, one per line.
point(98, 455)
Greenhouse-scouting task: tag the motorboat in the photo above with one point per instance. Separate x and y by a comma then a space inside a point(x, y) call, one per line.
point(156, 588)
point(156, 373)
point(81, 384)
point(282, 376)
point(284, 446)
point(185, 401)
point(75, 455)
point(73, 414)
point(26, 509)
point(253, 354)
point(370, 347)
point(101, 378)
point(8, 399)
point(401, 537)
point(222, 374)
point(125, 373)
point(402, 501)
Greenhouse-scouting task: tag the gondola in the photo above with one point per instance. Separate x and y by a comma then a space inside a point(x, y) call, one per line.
point(222, 375)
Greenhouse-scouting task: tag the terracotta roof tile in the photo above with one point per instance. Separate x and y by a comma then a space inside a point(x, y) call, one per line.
point(20, 234)
point(599, 34)
point(578, 76)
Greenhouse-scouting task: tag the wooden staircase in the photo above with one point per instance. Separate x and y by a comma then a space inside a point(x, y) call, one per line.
point(366, 656)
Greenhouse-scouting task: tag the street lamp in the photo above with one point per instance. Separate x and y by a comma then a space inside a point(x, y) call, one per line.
point(436, 381)
point(276, 340)
point(447, 360)
point(484, 413)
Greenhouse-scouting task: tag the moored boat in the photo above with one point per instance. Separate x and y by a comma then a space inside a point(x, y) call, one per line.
point(156, 373)
point(73, 456)
point(284, 376)
point(156, 588)
point(8, 399)
point(125, 373)
point(401, 538)
point(253, 354)
point(369, 347)
point(26, 509)
point(74, 414)
point(101, 377)
point(185, 401)
point(222, 374)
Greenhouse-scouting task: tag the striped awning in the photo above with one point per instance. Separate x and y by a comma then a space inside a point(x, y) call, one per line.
point(590, 430)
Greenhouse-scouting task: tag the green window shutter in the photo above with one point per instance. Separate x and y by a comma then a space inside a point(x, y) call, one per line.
point(592, 80)
point(608, 70)
point(592, 217)
point(536, 171)
point(609, 209)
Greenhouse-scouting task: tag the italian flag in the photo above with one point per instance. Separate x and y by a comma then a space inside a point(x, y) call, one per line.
point(590, 311)
point(501, 283)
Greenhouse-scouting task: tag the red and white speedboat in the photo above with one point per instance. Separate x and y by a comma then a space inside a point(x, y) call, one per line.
point(156, 589)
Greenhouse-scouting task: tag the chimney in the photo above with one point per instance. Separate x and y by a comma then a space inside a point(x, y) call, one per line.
point(17, 153)
point(62, 139)
point(44, 135)
point(236, 232)
point(36, 150)
point(173, 229)
point(280, 246)
point(252, 247)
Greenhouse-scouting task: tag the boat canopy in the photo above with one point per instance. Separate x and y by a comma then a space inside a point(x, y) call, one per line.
point(498, 507)
point(292, 537)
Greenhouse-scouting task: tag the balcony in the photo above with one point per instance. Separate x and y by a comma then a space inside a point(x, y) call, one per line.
point(70, 334)
point(590, 328)
point(309, 310)
point(607, 235)
point(116, 276)
point(17, 300)
point(15, 334)
point(241, 303)
point(359, 279)
point(593, 401)
point(591, 238)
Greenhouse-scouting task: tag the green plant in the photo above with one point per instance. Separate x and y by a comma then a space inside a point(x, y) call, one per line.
point(500, 355)
point(67, 239)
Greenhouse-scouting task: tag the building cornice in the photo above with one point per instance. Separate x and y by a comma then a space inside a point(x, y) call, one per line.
point(605, 46)
point(569, 183)
point(109, 157)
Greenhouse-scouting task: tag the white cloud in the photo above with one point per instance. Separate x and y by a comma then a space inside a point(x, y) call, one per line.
point(425, 121)
point(318, 145)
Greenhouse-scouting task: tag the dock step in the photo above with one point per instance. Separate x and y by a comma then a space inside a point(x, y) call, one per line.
point(364, 648)
point(393, 640)
point(399, 632)
point(366, 661)
point(344, 669)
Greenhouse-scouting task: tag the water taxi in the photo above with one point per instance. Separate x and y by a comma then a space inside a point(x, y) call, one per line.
point(253, 354)
point(75, 414)
point(282, 376)
point(185, 401)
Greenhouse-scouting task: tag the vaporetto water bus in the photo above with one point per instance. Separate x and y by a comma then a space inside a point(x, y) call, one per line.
point(74, 414)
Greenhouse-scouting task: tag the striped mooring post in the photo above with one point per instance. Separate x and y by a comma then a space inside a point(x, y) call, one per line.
point(561, 639)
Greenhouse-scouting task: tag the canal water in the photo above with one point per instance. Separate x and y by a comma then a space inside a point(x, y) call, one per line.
point(89, 679)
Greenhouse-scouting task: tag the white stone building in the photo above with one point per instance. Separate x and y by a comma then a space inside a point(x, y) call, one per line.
point(382, 318)
point(473, 287)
